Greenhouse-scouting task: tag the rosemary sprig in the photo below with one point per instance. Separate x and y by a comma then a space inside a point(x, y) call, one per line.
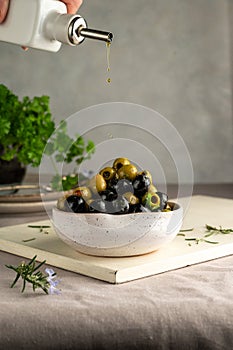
point(29, 239)
point(29, 273)
point(41, 228)
point(197, 240)
point(187, 230)
point(211, 230)
point(214, 230)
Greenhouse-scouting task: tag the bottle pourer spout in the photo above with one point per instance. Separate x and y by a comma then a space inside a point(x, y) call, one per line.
point(95, 34)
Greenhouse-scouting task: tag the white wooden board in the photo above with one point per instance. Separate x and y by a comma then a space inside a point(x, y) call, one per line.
point(203, 210)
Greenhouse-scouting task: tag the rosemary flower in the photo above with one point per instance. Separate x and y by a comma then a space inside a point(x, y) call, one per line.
point(52, 283)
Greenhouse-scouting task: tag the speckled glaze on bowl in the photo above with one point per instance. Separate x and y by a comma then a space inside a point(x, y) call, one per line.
point(118, 235)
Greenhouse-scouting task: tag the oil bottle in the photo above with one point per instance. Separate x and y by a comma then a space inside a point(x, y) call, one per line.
point(45, 25)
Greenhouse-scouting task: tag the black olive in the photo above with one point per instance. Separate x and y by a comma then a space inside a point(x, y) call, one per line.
point(112, 184)
point(108, 195)
point(141, 184)
point(98, 206)
point(138, 208)
point(134, 208)
point(163, 199)
point(75, 204)
point(123, 186)
point(120, 206)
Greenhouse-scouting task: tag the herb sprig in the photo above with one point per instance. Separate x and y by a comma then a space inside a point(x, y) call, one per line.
point(214, 230)
point(30, 273)
point(211, 230)
point(42, 228)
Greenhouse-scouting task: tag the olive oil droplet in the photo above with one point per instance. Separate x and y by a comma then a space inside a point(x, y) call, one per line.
point(108, 44)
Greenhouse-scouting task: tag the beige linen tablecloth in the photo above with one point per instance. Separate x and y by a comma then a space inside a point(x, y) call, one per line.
point(189, 308)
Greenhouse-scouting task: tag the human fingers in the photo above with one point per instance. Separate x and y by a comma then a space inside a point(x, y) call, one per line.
point(4, 4)
point(72, 5)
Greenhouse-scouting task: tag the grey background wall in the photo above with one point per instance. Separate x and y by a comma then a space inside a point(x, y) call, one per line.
point(174, 56)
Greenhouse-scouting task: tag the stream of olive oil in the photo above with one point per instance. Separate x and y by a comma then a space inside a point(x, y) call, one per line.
point(108, 44)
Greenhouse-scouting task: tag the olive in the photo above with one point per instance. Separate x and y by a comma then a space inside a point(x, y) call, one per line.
point(138, 208)
point(75, 203)
point(120, 206)
point(128, 171)
point(112, 184)
point(108, 173)
point(131, 198)
point(119, 162)
point(61, 203)
point(88, 203)
point(152, 188)
point(146, 173)
point(123, 186)
point(141, 184)
point(98, 206)
point(97, 184)
point(83, 192)
point(163, 199)
point(108, 195)
point(151, 201)
point(133, 208)
point(167, 208)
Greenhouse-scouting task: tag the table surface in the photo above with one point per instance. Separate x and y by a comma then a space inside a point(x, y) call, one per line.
point(188, 308)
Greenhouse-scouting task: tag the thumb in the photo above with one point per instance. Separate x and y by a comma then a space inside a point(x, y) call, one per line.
point(4, 4)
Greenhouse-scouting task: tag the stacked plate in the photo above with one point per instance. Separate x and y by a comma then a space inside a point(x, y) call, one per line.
point(26, 198)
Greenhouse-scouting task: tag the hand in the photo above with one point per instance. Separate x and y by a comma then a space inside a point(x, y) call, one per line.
point(72, 7)
point(4, 4)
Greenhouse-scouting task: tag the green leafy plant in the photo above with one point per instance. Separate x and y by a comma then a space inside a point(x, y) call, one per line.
point(25, 127)
point(27, 130)
point(61, 148)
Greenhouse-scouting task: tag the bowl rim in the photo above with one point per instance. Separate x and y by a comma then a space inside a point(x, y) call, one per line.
point(176, 207)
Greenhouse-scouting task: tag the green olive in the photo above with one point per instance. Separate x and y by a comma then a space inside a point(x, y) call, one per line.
point(146, 173)
point(152, 189)
point(61, 202)
point(82, 191)
point(88, 203)
point(151, 201)
point(168, 208)
point(131, 198)
point(119, 162)
point(128, 171)
point(97, 184)
point(108, 173)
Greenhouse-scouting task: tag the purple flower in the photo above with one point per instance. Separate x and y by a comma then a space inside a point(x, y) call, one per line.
point(52, 282)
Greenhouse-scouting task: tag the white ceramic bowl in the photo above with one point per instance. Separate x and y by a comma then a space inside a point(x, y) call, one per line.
point(117, 235)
